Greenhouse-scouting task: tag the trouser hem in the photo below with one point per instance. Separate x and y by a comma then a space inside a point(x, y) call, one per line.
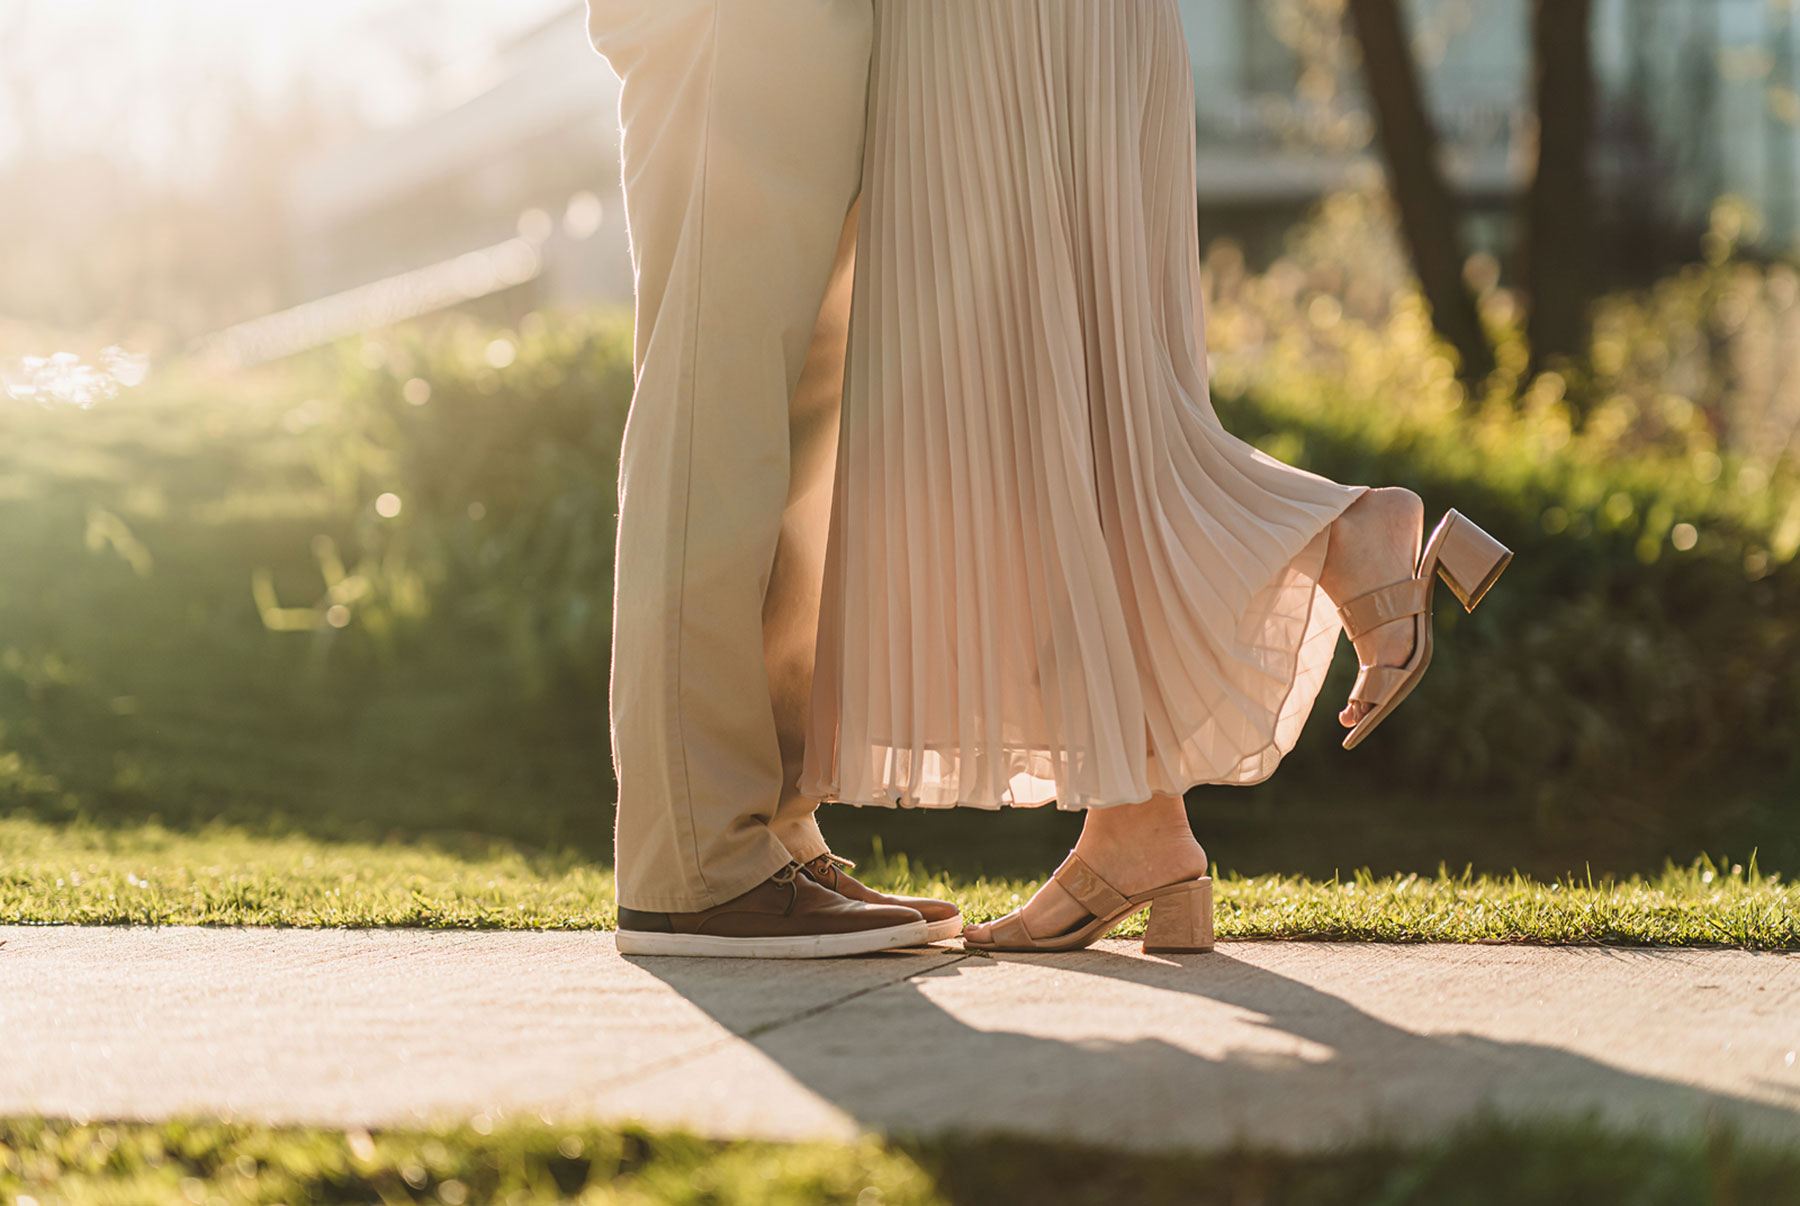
point(805, 842)
point(723, 889)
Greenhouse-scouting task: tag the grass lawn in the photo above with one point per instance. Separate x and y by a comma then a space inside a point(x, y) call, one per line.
point(61, 874)
point(535, 1161)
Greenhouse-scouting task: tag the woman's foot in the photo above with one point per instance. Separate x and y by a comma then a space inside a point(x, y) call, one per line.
point(1133, 847)
point(1375, 543)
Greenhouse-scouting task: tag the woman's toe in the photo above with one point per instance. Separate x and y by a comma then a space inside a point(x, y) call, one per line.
point(977, 932)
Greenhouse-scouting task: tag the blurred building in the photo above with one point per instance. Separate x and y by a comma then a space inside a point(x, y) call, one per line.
point(1267, 154)
point(531, 152)
point(1701, 98)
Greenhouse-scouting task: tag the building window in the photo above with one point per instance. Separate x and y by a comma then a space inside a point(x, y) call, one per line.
point(1270, 65)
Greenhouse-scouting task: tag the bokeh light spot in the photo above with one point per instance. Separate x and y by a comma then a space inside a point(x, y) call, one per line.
point(536, 226)
point(1684, 536)
point(501, 353)
point(417, 391)
point(338, 616)
point(584, 216)
point(388, 505)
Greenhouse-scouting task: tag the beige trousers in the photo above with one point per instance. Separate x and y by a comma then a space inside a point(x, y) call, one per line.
point(743, 133)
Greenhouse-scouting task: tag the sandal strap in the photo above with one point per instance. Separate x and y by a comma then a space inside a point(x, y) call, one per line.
point(1090, 891)
point(1368, 612)
point(1011, 931)
point(1377, 684)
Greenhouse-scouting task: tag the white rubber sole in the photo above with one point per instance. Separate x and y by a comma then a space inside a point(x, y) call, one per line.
point(802, 946)
point(940, 931)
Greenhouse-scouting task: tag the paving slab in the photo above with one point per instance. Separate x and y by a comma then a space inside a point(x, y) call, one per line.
point(362, 1027)
point(1296, 1045)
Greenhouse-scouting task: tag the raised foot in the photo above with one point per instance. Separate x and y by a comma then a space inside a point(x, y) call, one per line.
point(1375, 543)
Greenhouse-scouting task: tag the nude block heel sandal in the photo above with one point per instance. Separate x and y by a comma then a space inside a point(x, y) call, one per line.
point(1470, 561)
point(1181, 915)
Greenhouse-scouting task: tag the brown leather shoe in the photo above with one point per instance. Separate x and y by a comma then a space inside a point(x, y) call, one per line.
point(943, 918)
point(788, 916)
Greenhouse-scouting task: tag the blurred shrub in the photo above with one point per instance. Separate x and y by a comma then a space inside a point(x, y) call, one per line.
point(150, 539)
point(1721, 337)
point(482, 471)
point(1644, 646)
point(1646, 640)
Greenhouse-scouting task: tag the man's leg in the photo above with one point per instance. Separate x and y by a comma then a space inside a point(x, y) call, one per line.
point(791, 608)
point(743, 124)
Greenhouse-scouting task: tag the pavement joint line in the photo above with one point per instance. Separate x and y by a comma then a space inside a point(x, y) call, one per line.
point(756, 1032)
point(670, 1062)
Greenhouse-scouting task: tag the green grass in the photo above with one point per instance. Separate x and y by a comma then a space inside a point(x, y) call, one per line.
point(70, 1164)
point(81, 875)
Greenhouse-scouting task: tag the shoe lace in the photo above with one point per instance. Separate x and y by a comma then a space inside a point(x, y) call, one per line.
point(825, 868)
point(789, 875)
point(829, 862)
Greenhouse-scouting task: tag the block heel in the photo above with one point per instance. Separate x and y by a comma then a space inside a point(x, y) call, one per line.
point(1181, 922)
point(1469, 560)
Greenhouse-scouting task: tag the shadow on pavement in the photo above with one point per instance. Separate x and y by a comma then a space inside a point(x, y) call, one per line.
point(1182, 1052)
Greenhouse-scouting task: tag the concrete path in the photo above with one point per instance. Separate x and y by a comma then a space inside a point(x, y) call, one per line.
point(1299, 1045)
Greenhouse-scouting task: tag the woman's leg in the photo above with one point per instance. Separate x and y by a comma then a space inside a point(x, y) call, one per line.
point(1137, 847)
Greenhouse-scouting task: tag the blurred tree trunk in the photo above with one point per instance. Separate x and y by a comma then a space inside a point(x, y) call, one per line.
point(1428, 211)
point(1559, 219)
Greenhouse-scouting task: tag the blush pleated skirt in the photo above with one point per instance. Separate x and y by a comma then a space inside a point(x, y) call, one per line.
point(1052, 574)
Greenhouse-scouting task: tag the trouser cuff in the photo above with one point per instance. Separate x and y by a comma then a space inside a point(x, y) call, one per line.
point(803, 840)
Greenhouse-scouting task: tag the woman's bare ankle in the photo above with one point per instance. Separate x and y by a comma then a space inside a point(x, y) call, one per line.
point(1373, 544)
point(1133, 847)
point(1136, 847)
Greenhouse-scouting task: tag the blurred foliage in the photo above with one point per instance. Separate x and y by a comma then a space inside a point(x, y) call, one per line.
point(521, 1161)
point(138, 680)
point(369, 594)
point(482, 471)
point(1645, 644)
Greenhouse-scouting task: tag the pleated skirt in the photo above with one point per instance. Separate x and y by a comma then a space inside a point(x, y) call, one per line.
point(1052, 574)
